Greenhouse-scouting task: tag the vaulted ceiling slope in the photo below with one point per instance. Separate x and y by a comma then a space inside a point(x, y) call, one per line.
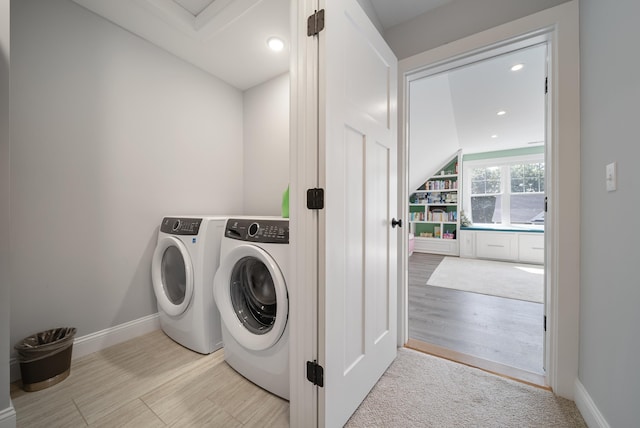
point(482, 107)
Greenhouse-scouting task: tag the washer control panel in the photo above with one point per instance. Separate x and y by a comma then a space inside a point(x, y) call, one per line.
point(267, 231)
point(181, 226)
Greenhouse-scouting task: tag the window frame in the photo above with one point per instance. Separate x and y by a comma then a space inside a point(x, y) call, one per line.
point(504, 163)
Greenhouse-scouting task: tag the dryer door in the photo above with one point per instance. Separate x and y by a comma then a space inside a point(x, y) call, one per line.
point(251, 295)
point(172, 275)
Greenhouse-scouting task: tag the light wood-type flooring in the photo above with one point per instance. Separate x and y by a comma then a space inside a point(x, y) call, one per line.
point(149, 382)
point(507, 333)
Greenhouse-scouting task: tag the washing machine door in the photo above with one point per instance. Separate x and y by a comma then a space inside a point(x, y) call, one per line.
point(251, 295)
point(172, 276)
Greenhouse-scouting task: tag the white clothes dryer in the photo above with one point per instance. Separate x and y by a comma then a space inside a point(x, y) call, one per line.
point(251, 293)
point(184, 264)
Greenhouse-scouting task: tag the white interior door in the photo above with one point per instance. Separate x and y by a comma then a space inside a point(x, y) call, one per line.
point(358, 246)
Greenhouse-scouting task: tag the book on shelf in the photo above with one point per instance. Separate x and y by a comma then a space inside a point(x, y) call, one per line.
point(441, 215)
point(440, 185)
point(416, 216)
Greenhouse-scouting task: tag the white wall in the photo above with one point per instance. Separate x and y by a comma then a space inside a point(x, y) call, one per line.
point(7, 418)
point(610, 289)
point(435, 141)
point(109, 134)
point(266, 146)
point(455, 20)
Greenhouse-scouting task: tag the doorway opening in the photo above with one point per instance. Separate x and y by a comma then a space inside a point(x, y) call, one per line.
point(478, 143)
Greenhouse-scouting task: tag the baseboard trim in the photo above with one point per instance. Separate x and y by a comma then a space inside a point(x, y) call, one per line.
point(590, 412)
point(102, 339)
point(8, 417)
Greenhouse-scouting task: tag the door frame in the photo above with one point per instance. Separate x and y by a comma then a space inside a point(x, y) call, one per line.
point(557, 26)
point(303, 223)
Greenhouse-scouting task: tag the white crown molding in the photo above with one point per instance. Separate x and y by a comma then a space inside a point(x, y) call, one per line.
point(211, 21)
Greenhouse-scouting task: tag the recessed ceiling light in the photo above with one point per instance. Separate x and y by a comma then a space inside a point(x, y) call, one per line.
point(494, 136)
point(517, 67)
point(501, 113)
point(275, 44)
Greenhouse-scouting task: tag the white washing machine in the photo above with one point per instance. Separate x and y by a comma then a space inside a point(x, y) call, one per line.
point(250, 291)
point(184, 264)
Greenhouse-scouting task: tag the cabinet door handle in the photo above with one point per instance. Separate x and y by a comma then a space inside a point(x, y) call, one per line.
point(395, 223)
point(495, 245)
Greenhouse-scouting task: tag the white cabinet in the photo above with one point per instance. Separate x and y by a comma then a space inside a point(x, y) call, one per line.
point(525, 247)
point(531, 247)
point(467, 244)
point(497, 245)
point(448, 247)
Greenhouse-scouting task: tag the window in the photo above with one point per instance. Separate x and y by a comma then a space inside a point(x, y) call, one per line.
point(486, 194)
point(527, 193)
point(505, 190)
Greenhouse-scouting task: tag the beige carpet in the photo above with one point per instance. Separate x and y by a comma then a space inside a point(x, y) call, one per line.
point(511, 280)
point(419, 390)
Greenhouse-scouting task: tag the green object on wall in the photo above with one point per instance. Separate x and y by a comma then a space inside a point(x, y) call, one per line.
point(285, 203)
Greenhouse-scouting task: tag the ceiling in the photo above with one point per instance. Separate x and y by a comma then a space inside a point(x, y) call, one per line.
point(391, 13)
point(228, 38)
point(458, 110)
point(473, 96)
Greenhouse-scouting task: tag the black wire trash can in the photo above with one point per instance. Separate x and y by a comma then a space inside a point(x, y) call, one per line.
point(45, 358)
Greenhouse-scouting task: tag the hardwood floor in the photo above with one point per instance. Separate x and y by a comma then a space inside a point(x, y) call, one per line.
point(503, 331)
point(150, 381)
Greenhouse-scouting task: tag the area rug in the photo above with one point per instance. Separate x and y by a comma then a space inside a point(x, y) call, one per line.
point(502, 279)
point(419, 390)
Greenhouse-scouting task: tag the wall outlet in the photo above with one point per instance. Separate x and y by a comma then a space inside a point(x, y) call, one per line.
point(611, 178)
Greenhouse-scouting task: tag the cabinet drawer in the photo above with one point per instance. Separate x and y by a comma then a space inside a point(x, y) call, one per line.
point(501, 246)
point(437, 246)
point(531, 248)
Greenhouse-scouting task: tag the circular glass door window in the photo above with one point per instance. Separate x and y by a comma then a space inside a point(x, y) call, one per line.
point(174, 278)
point(253, 295)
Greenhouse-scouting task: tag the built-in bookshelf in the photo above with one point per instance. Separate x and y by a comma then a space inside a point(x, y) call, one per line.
point(434, 211)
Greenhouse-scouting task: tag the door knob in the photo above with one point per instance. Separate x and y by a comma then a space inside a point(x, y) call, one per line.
point(395, 222)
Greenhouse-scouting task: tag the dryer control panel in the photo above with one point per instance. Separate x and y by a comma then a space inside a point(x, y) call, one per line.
point(181, 226)
point(267, 231)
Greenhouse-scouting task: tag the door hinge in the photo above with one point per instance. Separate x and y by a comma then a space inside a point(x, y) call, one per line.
point(545, 323)
point(315, 373)
point(315, 199)
point(546, 85)
point(315, 23)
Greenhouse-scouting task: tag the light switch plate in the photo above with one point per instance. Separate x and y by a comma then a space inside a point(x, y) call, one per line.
point(612, 179)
